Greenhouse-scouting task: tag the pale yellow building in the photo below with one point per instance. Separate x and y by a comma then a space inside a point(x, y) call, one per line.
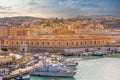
point(57, 42)
point(17, 31)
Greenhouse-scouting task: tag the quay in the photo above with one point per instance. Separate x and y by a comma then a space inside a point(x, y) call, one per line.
point(19, 72)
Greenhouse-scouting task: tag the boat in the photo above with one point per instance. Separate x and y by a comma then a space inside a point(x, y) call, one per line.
point(21, 78)
point(71, 64)
point(52, 70)
point(97, 53)
point(4, 72)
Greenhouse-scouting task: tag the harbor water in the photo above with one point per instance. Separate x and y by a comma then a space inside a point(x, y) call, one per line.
point(95, 69)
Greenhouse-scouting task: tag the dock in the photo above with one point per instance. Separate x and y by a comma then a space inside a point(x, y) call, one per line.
point(17, 73)
point(20, 71)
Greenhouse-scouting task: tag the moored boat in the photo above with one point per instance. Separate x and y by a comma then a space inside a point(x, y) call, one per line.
point(97, 53)
point(52, 71)
point(21, 78)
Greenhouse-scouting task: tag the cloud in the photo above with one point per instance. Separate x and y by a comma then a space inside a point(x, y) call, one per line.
point(4, 8)
point(4, 12)
point(61, 8)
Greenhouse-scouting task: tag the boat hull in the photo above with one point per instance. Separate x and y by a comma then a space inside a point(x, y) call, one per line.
point(53, 74)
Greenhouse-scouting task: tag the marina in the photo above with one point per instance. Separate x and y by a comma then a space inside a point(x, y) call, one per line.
point(53, 64)
point(59, 40)
point(96, 69)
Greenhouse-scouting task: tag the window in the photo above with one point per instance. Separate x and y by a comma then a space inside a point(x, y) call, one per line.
point(85, 42)
point(21, 42)
point(99, 42)
point(103, 41)
point(95, 42)
point(67, 44)
point(7, 42)
point(17, 43)
point(81, 43)
point(47, 43)
point(90, 42)
point(12, 43)
point(31, 43)
point(72, 43)
point(37, 43)
point(76, 43)
point(59, 43)
point(42, 43)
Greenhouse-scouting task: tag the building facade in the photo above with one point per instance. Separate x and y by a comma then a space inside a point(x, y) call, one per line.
point(57, 42)
point(16, 31)
point(0, 44)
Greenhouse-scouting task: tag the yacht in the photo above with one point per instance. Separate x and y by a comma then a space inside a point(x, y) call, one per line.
point(71, 64)
point(97, 53)
point(52, 71)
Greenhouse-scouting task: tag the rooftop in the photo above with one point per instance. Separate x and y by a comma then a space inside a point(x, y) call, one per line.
point(59, 37)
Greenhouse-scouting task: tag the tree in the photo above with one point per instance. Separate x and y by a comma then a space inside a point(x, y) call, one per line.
point(4, 49)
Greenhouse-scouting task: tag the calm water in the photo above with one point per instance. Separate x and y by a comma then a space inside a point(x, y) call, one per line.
point(97, 69)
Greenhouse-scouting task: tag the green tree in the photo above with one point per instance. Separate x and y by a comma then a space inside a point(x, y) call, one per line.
point(4, 49)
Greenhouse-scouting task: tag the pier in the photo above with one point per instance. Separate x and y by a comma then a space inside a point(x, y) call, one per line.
point(19, 72)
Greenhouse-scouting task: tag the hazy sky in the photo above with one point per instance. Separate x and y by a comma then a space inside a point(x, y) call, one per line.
point(58, 8)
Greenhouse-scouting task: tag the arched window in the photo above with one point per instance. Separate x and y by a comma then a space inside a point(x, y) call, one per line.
point(17, 43)
point(59, 43)
point(31, 43)
point(99, 42)
point(72, 43)
point(81, 43)
point(76, 43)
point(37, 43)
point(7, 42)
point(12, 43)
point(95, 42)
point(21, 42)
point(67, 44)
point(42, 43)
point(47, 43)
point(85, 42)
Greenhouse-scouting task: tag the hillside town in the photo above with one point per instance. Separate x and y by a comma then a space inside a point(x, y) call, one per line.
point(59, 26)
point(59, 39)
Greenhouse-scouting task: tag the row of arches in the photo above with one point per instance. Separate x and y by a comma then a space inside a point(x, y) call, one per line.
point(72, 43)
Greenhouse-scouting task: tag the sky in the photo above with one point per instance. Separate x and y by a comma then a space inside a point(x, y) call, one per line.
point(58, 8)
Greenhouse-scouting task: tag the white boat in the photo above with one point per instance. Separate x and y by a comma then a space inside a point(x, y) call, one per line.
point(52, 71)
point(54, 68)
point(71, 64)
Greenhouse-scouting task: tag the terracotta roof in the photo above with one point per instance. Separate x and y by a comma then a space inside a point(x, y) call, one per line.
point(59, 37)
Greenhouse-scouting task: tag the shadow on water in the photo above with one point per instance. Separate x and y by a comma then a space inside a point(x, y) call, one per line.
point(51, 78)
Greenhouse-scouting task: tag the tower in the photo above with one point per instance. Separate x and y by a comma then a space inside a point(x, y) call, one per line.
point(24, 47)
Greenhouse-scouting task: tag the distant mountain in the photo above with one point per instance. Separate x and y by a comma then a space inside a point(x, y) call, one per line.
point(97, 16)
point(15, 20)
point(107, 20)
